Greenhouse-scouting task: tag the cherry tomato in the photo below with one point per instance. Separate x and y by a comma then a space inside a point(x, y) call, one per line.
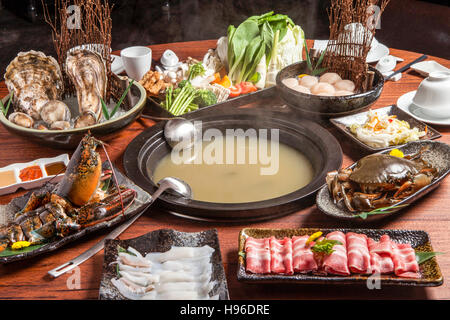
point(235, 91)
point(247, 87)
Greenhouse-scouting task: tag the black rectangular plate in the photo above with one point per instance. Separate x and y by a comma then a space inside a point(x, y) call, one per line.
point(160, 241)
point(419, 240)
point(342, 124)
point(140, 203)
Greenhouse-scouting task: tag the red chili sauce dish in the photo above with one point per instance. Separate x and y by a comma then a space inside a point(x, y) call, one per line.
point(30, 173)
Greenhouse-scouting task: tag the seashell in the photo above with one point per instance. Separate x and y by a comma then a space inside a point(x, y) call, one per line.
point(21, 119)
point(55, 110)
point(322, 88)
point(35, 79)
point(290, 82)
point(87, 71)
point(330, 77)
point(308, 81)
point(60, 125)
point(346, 85)
point(169, 58)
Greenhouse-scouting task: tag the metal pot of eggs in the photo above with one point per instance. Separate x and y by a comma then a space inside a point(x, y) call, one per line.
point(325, 95)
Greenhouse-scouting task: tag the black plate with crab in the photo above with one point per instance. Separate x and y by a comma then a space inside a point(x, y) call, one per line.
point(435, 154)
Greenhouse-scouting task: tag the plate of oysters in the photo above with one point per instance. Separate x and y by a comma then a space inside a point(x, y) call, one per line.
point(57, 103)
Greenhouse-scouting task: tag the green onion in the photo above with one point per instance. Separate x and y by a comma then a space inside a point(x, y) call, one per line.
point(105, 109)
point(5, 110)
point(116, 107)
point(384, 210)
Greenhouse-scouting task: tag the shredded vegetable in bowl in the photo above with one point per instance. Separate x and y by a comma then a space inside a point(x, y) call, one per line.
point(384, 131)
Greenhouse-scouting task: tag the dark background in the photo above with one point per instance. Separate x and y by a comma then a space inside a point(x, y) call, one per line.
point(421, 26)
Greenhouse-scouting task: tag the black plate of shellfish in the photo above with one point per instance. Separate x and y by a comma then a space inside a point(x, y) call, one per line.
point(383, 183)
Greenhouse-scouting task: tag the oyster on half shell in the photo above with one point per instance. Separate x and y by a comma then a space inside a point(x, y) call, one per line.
point(35, 78)
point(87, 71)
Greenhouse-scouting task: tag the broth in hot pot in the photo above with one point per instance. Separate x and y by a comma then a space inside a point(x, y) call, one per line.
point(217, 171)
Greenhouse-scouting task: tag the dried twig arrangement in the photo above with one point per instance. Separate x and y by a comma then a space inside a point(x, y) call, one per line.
point(88, 25)
point(351, 34)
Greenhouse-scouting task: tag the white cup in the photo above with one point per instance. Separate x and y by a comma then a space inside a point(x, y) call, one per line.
point(137, 61)
point(433, 95)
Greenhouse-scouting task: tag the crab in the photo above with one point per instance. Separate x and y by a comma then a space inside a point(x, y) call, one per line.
point(379, 180)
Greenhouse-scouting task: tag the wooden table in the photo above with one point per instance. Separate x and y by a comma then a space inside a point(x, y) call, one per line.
point(29, 280)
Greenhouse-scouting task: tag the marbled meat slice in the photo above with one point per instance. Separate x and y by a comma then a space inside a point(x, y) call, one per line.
point(336, 262)
point(257, 255)
point(281, 255)
point(381, 255)
point(302, 257)
point(405, 264)
point(358, 253)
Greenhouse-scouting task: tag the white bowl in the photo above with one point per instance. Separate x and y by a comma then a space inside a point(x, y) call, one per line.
point(433, 95)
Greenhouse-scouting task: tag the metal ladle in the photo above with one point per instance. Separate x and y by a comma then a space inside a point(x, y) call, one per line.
point(169, 183)
point(181, 134)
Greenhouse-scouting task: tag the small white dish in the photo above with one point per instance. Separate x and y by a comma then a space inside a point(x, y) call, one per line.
point(377, 52)
point(405, 103)
point(386, 64)
point(433, 95)
point(426, 67)
point(137, 61)
point(117, 64)
point(16, 167)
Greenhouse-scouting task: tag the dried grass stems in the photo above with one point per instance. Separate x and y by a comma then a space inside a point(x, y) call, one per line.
point(95, 26)
point(351, 34)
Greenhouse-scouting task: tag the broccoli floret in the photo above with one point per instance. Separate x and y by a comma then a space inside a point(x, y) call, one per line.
point(205, 98)
point(196, 70)
point(182, 83)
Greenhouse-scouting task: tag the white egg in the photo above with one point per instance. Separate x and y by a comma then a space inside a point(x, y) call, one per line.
point(343, 93)
point(346, 85)
point(290, 82)
point(302, 89)
point(322, 88)
point(330, 77)
point(308, 81)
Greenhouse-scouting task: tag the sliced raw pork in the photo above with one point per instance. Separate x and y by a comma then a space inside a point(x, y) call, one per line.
point(302, 257)
point(381, 255)
point(358, 253)
point(405, 264)
point(257, 253)
point(336, 262)
point(281, 255)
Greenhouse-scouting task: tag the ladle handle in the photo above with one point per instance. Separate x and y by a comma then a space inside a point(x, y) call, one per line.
point(56, 272)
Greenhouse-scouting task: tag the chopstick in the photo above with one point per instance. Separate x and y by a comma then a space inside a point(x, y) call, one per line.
point(406, 67)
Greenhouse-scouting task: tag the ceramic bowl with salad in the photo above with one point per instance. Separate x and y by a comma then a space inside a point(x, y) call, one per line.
point(245, 61)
